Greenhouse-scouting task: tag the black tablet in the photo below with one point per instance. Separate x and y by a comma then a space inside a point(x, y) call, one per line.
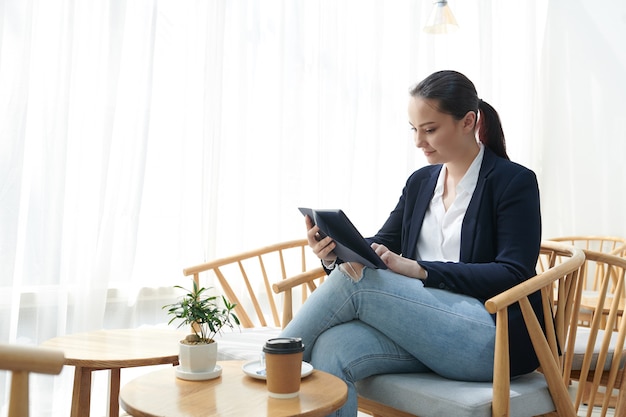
point(351, 245)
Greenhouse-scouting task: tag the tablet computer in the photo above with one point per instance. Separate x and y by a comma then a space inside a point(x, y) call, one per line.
point(351, 245)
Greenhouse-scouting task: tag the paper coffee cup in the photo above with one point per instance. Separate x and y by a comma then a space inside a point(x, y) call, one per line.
point(283, 365)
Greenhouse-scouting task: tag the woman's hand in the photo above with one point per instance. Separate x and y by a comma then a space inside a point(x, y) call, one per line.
point(399, 264)
point(322, 247)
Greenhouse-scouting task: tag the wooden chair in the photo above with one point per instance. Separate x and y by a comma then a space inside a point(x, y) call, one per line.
point(428, 395)
point(593, 273)
point(599, 359)
point(247, 278)
point(533, 394)
point(613, 245)
point(21, 361)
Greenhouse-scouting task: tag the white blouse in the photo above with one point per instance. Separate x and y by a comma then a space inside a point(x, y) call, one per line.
point(440, 236)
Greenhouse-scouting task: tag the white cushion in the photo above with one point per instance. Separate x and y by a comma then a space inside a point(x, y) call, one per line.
point(239, 344)
point(582, 338)
point(243, 344)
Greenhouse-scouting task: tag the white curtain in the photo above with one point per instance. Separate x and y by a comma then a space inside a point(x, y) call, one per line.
point(139, 137)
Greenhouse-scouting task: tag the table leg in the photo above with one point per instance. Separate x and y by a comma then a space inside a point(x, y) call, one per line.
point(81, 395)
point(113, 407)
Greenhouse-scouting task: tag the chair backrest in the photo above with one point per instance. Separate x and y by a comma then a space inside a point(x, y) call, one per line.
point(561, 278)
point(599, 359)
point(613, 245)
point(21, 361)
point(246, 279)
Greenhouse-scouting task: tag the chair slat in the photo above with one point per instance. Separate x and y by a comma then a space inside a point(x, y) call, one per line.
point(558, 390)
point(600, 367)
point(248, 279)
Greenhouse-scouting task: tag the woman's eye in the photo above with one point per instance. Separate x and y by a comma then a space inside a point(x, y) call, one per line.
point(429, 130)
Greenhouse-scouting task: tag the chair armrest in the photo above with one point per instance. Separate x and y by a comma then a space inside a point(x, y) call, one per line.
point(286, 285)
point(19, 358)
point(21, 361)
point(303, 278)
point(531, 285)
point(541, 342)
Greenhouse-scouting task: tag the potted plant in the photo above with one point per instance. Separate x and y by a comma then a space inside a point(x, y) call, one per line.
point(207, 318)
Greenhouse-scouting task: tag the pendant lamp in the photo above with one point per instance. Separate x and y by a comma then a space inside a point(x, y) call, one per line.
point(441, 19)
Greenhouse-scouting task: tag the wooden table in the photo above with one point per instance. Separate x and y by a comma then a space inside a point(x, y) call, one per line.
point(112, 350)
point(233, 394)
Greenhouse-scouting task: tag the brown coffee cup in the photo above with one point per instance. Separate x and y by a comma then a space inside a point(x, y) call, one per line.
point(283, 365)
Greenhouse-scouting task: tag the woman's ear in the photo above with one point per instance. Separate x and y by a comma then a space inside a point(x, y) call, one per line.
point(469, 120)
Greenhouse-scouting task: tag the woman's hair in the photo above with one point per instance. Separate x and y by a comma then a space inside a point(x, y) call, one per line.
point(456, 95)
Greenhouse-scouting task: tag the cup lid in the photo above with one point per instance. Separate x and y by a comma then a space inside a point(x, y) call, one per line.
point(283, 345)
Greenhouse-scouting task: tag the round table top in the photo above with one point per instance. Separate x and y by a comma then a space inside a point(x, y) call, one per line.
point(119, 348)
point(233, 394)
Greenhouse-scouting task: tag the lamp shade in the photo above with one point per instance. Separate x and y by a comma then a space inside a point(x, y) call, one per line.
point(441, 19)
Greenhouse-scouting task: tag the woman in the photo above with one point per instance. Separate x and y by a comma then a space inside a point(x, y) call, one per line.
point(466, 228)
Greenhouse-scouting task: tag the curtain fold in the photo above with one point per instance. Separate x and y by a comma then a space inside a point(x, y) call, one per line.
point(141, 137)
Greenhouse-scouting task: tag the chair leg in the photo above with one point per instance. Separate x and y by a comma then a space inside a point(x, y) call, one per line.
point(18, 401)
point(620, 407)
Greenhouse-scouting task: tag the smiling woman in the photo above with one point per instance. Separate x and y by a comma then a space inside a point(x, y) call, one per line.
point(138, 137)
point(464, 229)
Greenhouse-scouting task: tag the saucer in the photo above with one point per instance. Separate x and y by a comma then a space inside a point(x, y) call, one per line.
point(198, 376)
point(255, 370)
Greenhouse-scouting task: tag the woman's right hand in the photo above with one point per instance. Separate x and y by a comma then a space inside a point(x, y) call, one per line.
point(322, 247)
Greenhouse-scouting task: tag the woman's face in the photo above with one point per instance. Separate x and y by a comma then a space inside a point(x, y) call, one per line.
point(442, 138)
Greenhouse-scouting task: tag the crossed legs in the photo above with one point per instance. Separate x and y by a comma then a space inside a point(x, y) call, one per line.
point(388, 323)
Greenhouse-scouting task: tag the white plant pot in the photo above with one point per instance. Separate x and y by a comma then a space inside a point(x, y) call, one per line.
point(197, 359)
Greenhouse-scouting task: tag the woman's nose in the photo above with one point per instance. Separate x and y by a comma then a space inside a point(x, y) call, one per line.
point(419, 142)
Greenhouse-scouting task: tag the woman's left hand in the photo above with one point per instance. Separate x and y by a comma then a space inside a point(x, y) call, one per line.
point(398, 264)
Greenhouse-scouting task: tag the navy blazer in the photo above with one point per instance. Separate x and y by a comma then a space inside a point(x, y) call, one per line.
point(500, 240)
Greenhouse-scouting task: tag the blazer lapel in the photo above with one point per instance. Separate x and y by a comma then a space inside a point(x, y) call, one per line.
point(468, 229)
point(422, 201)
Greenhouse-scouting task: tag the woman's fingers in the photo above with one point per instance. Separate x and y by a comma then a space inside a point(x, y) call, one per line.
point(325, 248)
point(379, 249)
point(322, 246)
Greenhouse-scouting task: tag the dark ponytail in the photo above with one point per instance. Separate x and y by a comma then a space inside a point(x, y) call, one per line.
point(456, 95)
point(490, 131)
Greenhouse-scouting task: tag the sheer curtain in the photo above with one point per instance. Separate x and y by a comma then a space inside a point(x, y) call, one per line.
point(139, 137)
point(579, 133)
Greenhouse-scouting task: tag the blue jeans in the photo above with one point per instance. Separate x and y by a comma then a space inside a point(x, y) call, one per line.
point(388, 323)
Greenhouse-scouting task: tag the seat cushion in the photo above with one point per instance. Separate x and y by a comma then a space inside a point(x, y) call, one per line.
point(582, 339)
point(430, 395)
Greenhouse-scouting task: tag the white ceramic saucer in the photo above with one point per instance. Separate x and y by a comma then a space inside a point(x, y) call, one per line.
point(255, 370)
point(198, 376)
